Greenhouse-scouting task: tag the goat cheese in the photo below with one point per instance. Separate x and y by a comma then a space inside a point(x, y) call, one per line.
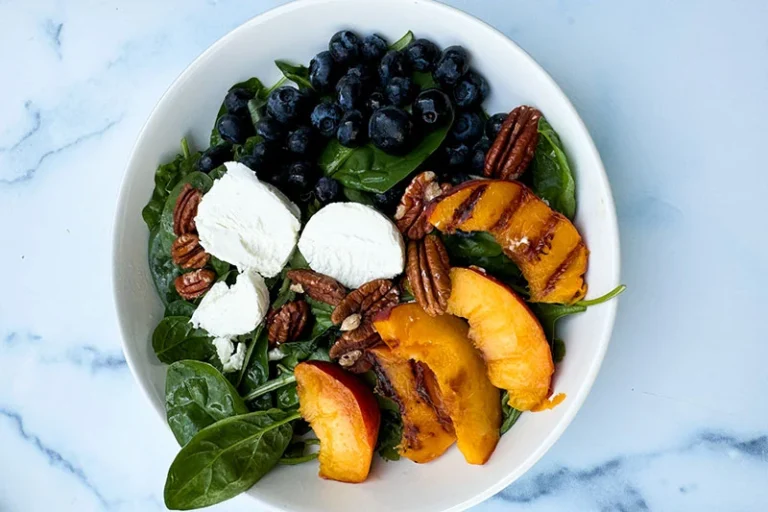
point(231, 359)
point(226, 311)
point(352, 243)
point(248, 223)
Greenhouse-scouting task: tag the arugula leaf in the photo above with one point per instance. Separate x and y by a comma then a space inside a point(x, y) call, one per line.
point(198, 395)
point(604, 298)
point(370, 169)
point(175, 339)
point(404, 41)
point(552, 176)
point(255, 87)
point(509, 415)
point(227, 458)
point(166, 177)
point(297, 74)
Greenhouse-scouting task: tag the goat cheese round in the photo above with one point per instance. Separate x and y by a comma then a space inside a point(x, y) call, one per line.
point(247, 222)
point(352, 243)
point(227, 311)
point(231, 359)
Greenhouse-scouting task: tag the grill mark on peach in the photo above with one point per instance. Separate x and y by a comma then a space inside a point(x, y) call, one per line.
point(535, 249)
point(510, 211)
point(422, 372)
point(560, 270)
point(464, 211)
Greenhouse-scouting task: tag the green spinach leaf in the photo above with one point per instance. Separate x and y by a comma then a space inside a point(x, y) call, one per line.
point(217, 172)
point(198, 395)
point(175, 339)
point(221, 268)
point(161, 266)
point(481, 249)
point(255, 371)
point(391, 429)
point(254, 86)
point(199, 181)
point(549, 314)
point(241, 150)
point(322, 313)
point(424, 80)
point(180, 308)
point(166, 177)
point(287, 398)
point(297, 74)
point(227, 458)
point(404, 41)
point(558, 350)
point(296, 453)
point(509, 415)
point(333, 157)
point(357, 196)
point(551, 174)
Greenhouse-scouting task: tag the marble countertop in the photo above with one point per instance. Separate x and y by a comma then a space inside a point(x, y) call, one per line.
point(676, 98)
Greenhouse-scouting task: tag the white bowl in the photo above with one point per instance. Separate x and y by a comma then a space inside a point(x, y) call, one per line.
point(296, 32)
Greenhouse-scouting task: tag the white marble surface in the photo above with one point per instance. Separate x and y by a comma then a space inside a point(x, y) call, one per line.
point(675, 95)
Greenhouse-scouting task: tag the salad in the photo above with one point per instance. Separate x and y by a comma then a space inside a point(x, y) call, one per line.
point(362, 262)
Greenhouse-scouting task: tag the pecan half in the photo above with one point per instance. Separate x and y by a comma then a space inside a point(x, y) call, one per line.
point(187, 252)
point(428, 269)
point(350, 348)
point(367, 300)
point(411, 214)
point(512, 151)
point(318, 286)
point(185, 211)
point(193, 284)
point(287, 323)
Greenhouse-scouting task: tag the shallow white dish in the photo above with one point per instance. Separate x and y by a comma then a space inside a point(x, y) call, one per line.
point(296, 32)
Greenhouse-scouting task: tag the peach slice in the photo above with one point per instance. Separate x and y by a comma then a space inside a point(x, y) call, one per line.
point(344, 415)
point(543, 243)
point(426, 435)
point(507, 334)
point(441, 343)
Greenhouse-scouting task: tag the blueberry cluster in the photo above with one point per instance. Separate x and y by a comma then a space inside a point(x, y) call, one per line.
point(361, 91)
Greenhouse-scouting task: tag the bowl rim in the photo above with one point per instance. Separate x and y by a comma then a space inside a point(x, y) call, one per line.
point(576, 399)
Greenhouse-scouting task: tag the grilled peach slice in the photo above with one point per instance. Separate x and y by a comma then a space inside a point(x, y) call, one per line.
point(543, 243)
point(344, 415)
point(441, 343)
point(426, 435)
point(507, 334)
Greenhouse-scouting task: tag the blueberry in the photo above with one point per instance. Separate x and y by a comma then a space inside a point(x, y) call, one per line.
point(477, 156)
point(351, 132)
point(327, 190)
point(345, 47)
point(236, 101)
point(322, 72)
point(422, 54)
point(468, 127)
point(299, 179)
point(375, 101)
point(300, 141)
point(456, 154)
point(470, 90)
point(432, 108)
point(251, 162)
point(393, 64)
point(400, 91)
point(388, 201)
point(214, 157)
point(265, 159)
point(451, 66)
point(325, 118)
point(286, 104)
point(349, 91)
point(457, 178)
point(270, 130)
point(234, 129)
point(365, 73)
point(374, 47)
point(390, 129)
point(493, 125)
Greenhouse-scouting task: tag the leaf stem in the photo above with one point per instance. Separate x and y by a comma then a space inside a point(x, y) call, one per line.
point(605, 298)
point(277, 383)
point(185, 147)
point(292, 461)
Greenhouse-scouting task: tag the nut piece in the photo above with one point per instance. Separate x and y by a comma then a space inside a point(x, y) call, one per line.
point(194, 284)
point(411, 214)
point(428, 269)
point(185, 211)
point(351, 323)
point(512, 151)
point(367, 300)
point(187, 252)
point(351, 346)
point(318, 286)
point(287, 323)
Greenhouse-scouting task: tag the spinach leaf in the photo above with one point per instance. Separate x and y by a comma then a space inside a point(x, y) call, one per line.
point(296, 452)
point(161, 266)
point(297, 74)
point(175, 339)
point(322, 313)
point(424, 80)
point(558, 350)
point(166, 177)
point(391, 429)
point(291, 353)
point(256, 368)
point(287, 398)
point(509, 415)
point(221, 268)
point(481, 249)
point(370, 169)
point(551, 174)
point(196, 396)
point(357, 196)
point(241, 150)
point(199, 181)
point(180, 308)
point(404, 41)
point(227, 458)
point(217, 172)
point(252, 85)
point(549, 314)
